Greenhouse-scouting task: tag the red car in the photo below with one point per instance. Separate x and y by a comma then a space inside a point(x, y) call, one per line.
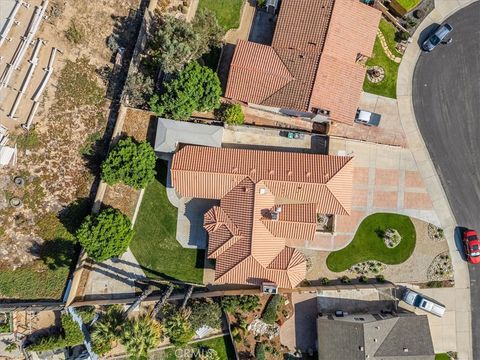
point(472, 246)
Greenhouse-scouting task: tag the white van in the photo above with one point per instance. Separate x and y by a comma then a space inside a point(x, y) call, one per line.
point(422, 302)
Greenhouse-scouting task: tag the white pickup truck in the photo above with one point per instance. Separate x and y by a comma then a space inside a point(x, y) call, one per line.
point(422, 302)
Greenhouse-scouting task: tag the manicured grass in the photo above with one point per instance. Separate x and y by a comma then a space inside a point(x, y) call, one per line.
point(226, 11)
point(388, 86)
point(155, 245)
point(408, 4)
point(368, 244)
point(222, 345)
point(389, 32)
point(442, 357)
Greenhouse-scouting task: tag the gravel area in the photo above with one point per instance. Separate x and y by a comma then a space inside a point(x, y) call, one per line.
point(414, 270)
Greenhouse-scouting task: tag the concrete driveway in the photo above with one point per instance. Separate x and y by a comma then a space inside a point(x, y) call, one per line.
point(445, 98)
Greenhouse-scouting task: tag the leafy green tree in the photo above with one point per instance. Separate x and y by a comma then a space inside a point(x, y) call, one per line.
point(233, 114)
point(177, 326)
point(176, 42)
point(197, 88)
point(86, 313)
point(269, 315)
point(205, 312)
point(141, 335)
point(107, 330)
point(105, 235)
point(130, 163)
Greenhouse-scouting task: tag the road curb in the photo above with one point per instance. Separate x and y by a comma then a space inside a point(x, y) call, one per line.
point(417, 146)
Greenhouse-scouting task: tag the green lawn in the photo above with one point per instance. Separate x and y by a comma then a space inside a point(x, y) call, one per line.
point(368, 244)
point(155, 245)
point(226, 11)
point(442, 357)
point(388, 86)
point(408, 4)
point(222, 345)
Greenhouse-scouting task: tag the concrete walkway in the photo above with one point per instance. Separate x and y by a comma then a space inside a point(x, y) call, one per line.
point(443, 9)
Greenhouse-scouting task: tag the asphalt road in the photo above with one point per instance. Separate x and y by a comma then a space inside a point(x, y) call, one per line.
point(446, 99)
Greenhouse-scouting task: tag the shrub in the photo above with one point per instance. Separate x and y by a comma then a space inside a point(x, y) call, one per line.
point(138, 88)
point(434, 284)
point(11, 347)
point(177, 326)
point(86, 313)
point(345, 279)
point(140, 336)
point(247, 303)
point(105, 235)
point(130, 163)
point(205, 312)
point(74, 33)
point(107, 329)
point(419, 14)
point(196, 88)
point(363, 279)
point(269, 315)
point(72, 336)
point(380, 278)
point(233, 114)
point(324, 281)
point(260, 351)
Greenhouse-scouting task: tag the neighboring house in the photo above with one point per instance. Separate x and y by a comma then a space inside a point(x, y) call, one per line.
point(315, 65)
point(267, 199)
point(374, 337)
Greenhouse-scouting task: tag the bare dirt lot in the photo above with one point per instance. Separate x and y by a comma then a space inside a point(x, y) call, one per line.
point(58, 158)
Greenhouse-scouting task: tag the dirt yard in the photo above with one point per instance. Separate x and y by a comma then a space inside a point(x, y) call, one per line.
point(58, 158)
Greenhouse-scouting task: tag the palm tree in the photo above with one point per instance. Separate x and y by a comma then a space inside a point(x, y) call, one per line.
point(107, 329)
point(141, 335)
point(177, 326)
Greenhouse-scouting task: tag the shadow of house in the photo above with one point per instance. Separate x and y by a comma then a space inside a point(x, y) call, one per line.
point(263, 27)
point(458, 235)
point(306, 324)
point(190, 231)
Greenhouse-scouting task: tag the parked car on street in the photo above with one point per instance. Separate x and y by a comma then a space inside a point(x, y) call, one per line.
point(367, 118)
point(471, 245)
point(422, 302)
point(437, 37)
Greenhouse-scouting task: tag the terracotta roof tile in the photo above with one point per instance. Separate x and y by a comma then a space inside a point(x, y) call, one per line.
point(307, 31)
point(248, 245)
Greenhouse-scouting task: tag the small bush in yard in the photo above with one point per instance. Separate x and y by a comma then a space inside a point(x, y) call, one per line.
point(130, 163)
point(345, 279)
point(105, 235)
point(232, 304)
point(74, 33)
point(269, 315)
point(205, 312)
point(325, 281)
point(363, 279)
point(260, 351)
point(380, 278)
point(233, 114)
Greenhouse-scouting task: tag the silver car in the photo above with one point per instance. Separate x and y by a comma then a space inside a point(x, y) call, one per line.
point(422, 302)
point(440, 34)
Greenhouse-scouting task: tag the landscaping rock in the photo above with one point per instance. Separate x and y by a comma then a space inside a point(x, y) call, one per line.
point(259, 328)
point(440, 268)
point(435, 233)
point(392, 238)
point(368, 268)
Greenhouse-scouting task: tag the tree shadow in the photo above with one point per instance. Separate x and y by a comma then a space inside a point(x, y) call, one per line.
point(380, 233)
point(72, 216)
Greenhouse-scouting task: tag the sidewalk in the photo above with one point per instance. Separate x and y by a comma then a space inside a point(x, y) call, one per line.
point(430, 177)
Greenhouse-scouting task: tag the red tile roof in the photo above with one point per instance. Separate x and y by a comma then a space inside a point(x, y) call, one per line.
point(305, 33)
point(248, 244)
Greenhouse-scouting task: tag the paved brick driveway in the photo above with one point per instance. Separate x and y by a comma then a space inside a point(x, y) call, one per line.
point(386, 179)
